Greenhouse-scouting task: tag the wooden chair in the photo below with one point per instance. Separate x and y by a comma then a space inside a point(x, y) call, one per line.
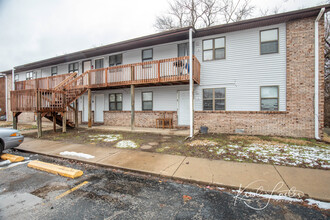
point(165, 121)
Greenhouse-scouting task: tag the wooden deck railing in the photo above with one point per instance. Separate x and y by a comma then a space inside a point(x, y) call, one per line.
point(41, 83)
point(158, 71)
point(37, 100)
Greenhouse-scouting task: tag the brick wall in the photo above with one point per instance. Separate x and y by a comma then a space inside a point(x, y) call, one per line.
point(142, 118)
point(298, 120)
point(2, 96)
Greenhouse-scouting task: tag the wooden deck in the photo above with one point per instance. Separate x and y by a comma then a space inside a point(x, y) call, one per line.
point(56, 93)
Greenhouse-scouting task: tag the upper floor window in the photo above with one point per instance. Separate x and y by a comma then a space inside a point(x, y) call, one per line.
point(269, 41)
point(214, 99)
point(73, 67)
point(30, 75)
point(147, 55)
point(98, 63)
point(214, 49)
point(146, 101)
point(269, 98)
point(116, 102)
point(115, 60)
point(54, 71)
point(16, 77)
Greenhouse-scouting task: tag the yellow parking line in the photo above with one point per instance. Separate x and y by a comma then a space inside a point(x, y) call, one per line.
point(71, 190)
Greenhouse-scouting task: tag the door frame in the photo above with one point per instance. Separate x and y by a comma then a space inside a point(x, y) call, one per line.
point(178, 105)
point(95, 107)
point(82, 67)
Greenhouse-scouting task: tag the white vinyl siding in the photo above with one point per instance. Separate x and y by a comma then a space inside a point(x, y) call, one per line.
point(244, 70)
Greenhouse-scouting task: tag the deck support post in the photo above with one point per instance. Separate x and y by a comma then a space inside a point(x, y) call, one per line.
point(76, 121)
point(39, 125)
point(89, 108)
point(15, 120)
point(64, 122)
point(132, 106)
point(54, 122)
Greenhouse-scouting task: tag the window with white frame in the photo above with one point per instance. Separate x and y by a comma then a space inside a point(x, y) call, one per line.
point(73, 67)
point(269, 41)
point(16, 77)
point(214, 99)
point(146, 101)
point(116, 102)
point(214, 49)
point(269, 98)
point(54, 71)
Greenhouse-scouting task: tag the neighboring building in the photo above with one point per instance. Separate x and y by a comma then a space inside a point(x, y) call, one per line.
point(2, 95)
point(254, 77)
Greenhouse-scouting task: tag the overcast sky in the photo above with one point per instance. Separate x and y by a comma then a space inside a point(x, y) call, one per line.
point(32, 30)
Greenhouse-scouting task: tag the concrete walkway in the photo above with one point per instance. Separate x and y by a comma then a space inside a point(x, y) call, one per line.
point(266, 178)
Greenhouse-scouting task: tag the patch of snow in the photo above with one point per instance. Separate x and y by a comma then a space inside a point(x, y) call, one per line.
point(14, 164)
point(321, 205)
point(221, 188)
point(106, 137)
point(325, 166)
point(75, 154)
point(126, 144)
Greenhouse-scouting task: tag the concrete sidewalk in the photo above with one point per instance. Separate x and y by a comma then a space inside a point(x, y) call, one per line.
point(266, 178)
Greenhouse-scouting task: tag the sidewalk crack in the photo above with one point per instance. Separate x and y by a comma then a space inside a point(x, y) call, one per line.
point(281, 177)
point(179, 166)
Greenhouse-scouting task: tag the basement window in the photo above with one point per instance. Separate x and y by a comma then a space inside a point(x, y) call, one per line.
point(147, 101)
point(214, 99)
point(116, 102)
point(269, 41)
point(54, 71)
point(269, 98)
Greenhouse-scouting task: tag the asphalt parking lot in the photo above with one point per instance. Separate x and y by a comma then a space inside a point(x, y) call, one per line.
point(103, 193)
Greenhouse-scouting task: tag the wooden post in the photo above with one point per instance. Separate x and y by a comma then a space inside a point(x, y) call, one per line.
point(39, 124)
point(15, 120)
point(132, 106)
point(64, 122)
point(158, 71)
point(89, 108)
point(54, 122)
point(76, 121)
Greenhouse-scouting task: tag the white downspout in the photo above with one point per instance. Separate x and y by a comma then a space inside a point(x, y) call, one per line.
point(6, 79)
point(191, 84)
point(316, 86)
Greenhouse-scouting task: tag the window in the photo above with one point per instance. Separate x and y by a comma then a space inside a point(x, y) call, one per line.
point(16, 77)
point(115, 60)
point(147, 55)
point(214, 99)
point(214, 49)
point(269, 41)
point(54, 71)
point(269, 98)
point(146, 101)
point(116, 102)
point(73, 67)
point(30, 75)
point(99, 64)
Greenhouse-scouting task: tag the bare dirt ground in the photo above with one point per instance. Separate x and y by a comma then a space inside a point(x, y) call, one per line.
point(298, 152)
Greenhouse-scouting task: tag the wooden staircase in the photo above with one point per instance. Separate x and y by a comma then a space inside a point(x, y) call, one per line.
point(59, 120)
point(71, 95)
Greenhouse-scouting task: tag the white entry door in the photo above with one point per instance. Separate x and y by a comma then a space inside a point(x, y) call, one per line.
point(99, 107)
point(85, 108)
point(183, 108)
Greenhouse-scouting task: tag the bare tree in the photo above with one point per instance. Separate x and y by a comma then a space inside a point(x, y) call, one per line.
point(203, 13)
